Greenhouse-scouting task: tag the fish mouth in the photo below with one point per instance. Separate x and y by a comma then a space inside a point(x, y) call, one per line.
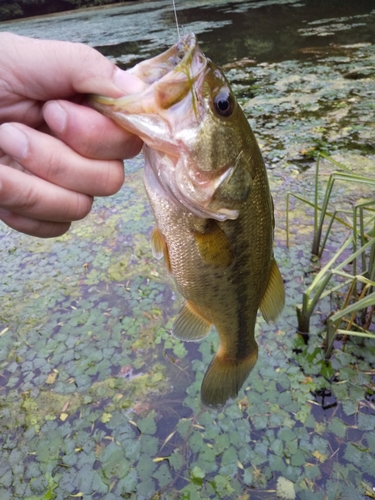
point(158, 112)
point(181, 54)
point(175, 74)
point(172, 107)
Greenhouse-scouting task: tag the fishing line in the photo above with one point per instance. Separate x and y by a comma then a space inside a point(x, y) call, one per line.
point(175, 16)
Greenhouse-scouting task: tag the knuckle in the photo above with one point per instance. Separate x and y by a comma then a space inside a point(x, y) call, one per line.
point(106, 177)
point(114, 178)
point(54, 167)
point(82, 206)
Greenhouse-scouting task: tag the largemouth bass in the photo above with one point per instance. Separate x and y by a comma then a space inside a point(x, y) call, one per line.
point(208, 188)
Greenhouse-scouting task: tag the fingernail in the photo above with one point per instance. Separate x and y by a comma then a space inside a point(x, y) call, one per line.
point(4, 213)
point(13, 141)
point(56, 116)
point(127, 82)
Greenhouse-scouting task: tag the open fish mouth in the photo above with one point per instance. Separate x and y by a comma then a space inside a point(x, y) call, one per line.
point(174, 115)
point(154, 69)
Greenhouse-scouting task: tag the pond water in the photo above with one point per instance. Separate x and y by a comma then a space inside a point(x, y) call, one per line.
point(98, 400)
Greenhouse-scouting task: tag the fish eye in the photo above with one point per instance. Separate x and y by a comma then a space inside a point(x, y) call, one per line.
point(223, 103)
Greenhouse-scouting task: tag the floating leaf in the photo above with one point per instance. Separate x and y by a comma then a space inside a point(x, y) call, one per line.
point(350, 407)
point(163, 475)
point(337, 427)
point(277, 446)
point(145, 468)
point(352, 454)
point(196, 441)
point(149, 444)
point(285, 489)
point(366, 422)
point(127, 484)
point(176, 460)
point(146, 488)
point(223, 485)
point(248, 476)
point(322, 457)
point(147, 425)
point(298, 458)
point(106, 417)
point(180, 350)
point(229, 456)
point(197, 472)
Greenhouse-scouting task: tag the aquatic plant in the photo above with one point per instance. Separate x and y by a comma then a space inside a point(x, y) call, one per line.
point(358, 282)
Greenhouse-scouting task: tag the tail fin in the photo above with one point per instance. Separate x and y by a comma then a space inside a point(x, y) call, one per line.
point(225, 377)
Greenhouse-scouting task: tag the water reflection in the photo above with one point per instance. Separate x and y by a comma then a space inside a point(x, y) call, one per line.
point(266, 30)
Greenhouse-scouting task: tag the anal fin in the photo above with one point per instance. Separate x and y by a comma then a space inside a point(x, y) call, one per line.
point(159, 247)
point(274, 297)
point(190, 325)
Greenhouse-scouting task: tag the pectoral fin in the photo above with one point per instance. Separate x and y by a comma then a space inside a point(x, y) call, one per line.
point(159, 247)
point(214, 246)
point(189, 325)
point(274, 297)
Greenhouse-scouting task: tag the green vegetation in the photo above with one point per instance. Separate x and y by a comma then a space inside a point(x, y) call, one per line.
point(353, 276)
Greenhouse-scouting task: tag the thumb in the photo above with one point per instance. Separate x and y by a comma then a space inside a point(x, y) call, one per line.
point(51, 69)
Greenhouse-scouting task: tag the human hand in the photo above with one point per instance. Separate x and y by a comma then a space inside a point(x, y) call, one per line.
point(56, 154)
